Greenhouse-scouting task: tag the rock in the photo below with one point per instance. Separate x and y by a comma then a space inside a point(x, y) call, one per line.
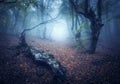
point(56, 68)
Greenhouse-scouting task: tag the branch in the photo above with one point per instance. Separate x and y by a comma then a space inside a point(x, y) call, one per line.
point(76, 9)
point(23, 32)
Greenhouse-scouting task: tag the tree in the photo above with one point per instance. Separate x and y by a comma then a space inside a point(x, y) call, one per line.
point(93, 14)
point(79, 10)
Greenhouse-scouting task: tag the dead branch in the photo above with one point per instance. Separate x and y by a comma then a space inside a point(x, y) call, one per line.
point(48, 21)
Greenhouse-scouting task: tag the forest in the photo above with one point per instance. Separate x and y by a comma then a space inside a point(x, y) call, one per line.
point(59, 41)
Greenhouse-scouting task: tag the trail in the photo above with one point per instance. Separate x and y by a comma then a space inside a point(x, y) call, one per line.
point(83, 68)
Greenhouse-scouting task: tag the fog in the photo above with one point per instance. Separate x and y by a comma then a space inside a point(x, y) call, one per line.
point(59, 41)
point(65, 27)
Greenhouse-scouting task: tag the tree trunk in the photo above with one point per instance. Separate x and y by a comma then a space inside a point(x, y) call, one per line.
point(94, 38)
point(44, 59)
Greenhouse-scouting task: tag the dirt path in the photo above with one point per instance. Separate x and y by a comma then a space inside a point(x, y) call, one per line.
point(80, 66)
point(83, 68)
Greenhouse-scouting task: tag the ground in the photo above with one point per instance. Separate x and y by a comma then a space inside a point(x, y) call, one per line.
point(82, 68)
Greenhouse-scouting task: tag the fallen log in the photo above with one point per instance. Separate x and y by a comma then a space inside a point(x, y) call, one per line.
point(41, 57)
point(44, 59)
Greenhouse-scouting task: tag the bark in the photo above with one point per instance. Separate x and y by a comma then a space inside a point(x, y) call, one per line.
point(44, 59)
point(95, 20)
point(96, 25)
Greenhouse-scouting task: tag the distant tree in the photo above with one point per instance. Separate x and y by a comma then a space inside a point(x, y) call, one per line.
point(20, 9)
point(75, 10)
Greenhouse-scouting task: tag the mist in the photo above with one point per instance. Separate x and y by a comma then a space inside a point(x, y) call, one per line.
point(59, 41)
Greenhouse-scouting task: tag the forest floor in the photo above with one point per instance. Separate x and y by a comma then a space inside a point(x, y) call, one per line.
point(83, 68)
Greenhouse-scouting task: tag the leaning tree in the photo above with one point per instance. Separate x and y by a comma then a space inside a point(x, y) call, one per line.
point(93, 17)
point(94, 11)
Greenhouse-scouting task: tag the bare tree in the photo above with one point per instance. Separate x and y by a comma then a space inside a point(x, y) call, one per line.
point(94, 18)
